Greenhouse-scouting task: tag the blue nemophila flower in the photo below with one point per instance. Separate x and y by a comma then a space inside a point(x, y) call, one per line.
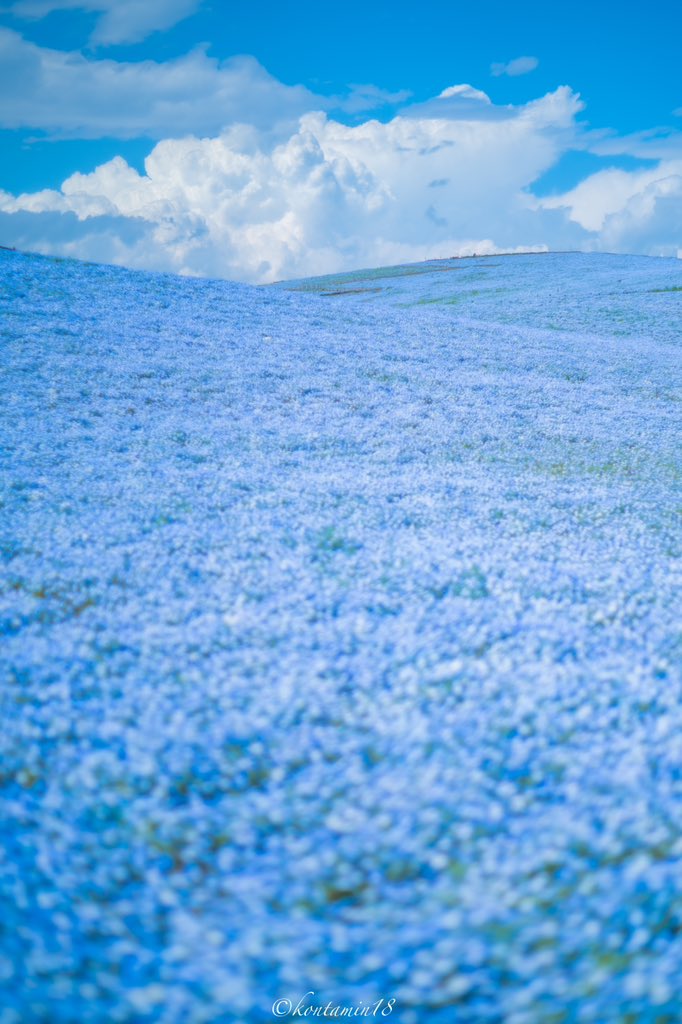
point(341, 644)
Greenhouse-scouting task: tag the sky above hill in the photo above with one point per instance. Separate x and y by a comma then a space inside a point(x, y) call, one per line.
point(264, 141)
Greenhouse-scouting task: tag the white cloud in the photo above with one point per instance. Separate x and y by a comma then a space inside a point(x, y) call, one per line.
point(460, 102)
point(650, 221)
point(368, 97)
point(70, 96)
point(249, 206)
point(611, 191)
point(652, 144)
point(250, 184)
point(518, 66)
point(121, 21)
point(627, 211)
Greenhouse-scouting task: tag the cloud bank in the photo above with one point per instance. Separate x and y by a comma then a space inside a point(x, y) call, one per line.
point(253, 181)
point(329, 196)
point(69, 96)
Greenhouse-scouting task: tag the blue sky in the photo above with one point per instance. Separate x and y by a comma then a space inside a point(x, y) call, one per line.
point(88, 82)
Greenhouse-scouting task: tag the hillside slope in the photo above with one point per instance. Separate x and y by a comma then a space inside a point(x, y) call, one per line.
point(341, 637)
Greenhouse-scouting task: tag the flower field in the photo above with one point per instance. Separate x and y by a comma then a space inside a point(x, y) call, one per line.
point(341, 643)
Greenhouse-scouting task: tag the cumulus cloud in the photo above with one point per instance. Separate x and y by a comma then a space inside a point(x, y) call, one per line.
point(252, 183)
point(628, 211)
point(597, 198)
point(120, 21)
point(636, 211)
point(69, 96)
point(650, 221)
point(328, 196)
point(518, 66)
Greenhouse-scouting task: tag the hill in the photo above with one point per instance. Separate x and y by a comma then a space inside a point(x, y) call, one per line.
point(342, 643)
